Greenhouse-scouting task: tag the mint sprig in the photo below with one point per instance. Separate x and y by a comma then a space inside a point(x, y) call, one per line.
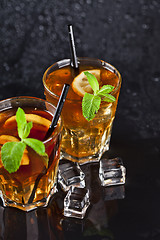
point(12, 152)
point(91, 102)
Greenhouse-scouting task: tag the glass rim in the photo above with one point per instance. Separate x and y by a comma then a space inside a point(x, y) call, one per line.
point(58, 130)
point(65, 62)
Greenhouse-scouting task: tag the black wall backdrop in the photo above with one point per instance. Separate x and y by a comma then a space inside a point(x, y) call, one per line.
point(126, 33)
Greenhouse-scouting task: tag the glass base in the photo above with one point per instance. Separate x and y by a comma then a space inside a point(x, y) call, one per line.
point(89, 159)
point(28, 207)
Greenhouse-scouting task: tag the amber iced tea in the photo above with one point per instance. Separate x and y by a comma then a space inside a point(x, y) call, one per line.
point(32, 184)
point(83, 141)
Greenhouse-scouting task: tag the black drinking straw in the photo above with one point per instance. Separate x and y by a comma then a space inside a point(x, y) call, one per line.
point(49, 133)
point(74, 61)
point(58, 111)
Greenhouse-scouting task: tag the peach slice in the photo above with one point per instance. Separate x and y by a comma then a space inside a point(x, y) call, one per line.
point(80, 84)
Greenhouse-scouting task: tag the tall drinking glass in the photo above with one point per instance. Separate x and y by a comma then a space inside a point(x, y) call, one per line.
point(82, 141)
point(33, 183)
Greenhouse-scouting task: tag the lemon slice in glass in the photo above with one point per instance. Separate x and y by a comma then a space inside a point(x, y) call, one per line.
point(31, 118)
point(8, 138)
point(80, 84)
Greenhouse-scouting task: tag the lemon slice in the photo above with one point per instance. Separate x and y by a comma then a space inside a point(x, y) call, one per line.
point(31, 118)
point(80, 84)
point(25, 158)
point(24, 161)
point(8, 138)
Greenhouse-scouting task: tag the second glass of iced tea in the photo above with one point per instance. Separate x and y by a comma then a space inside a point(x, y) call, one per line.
point(33, 184)
point(83, 141)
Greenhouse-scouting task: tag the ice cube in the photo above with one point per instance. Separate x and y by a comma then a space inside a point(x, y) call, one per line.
point(112, 171)
point(70, 174)
point(76, 202)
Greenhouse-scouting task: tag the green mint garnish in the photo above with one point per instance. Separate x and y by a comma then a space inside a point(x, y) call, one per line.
point(12, 152)
point(91, 102)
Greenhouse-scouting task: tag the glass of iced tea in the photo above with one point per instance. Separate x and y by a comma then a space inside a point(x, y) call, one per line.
point(33, 183)
point(83, 141)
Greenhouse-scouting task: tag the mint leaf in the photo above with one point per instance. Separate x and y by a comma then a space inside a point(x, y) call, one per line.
point(36, 145)
point(109, 98)
point(27, 129)
point(92, 81)
point(21, 121)
point(11, 154)
point(105, 89)
point(90, 105)
point(39, 148)
point(91, 102)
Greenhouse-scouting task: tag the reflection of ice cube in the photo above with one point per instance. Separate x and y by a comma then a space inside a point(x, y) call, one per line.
point(113, 192)
point(112, 172)
point(71, 226)
point(70, 174)
point(76, 202)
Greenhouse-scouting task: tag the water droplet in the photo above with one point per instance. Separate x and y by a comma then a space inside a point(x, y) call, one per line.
point(6, 66)
point(110, 19)
point(41, 28)
point(77, 6)
point(17, 8)
point(134, 94)
point(156, 77)
point(145, 26)
point(128, 17)
point(40, 17)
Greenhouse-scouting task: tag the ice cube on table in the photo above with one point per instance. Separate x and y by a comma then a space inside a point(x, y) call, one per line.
point(76, 202)
point(70, 174)
point(112, 171)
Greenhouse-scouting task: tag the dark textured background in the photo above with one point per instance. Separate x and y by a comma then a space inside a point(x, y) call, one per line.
point(126, 33)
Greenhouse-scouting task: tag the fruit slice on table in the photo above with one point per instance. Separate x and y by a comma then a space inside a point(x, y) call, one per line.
point(80, 84)
point(8, 138)
point(31, 118)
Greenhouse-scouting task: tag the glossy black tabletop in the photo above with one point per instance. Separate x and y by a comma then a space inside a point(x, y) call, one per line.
point(129, 211)
point(125, 33)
